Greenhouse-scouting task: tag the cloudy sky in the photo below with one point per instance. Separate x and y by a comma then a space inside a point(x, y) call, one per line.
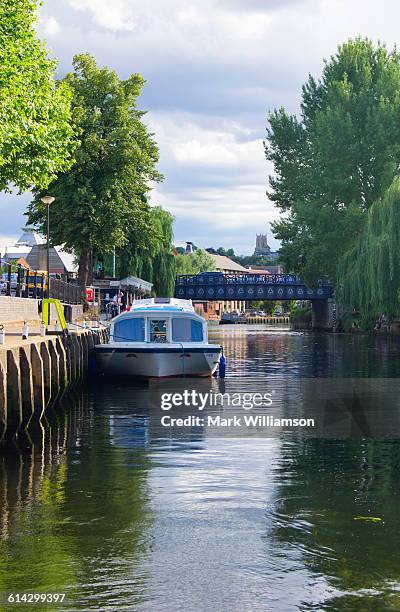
point(213, 68)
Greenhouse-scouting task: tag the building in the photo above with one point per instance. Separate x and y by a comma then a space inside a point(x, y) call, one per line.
point(228, 266)
point(215, 309)
point(262, 246)
point(60, 261)
point(22, 248)
point(133, 288)
point(259, 269)
point(30, 250)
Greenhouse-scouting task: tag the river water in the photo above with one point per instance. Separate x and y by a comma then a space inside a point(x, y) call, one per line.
point(120, 514)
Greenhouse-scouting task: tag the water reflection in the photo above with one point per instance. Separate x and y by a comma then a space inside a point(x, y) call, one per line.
point(324, 556)
point(103, 505)
point(284, 353)
point(74, 514)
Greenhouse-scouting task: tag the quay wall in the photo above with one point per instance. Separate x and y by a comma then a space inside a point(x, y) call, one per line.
point(36, 372)
point(13, 309)
point(268, 320)
point(18, 310)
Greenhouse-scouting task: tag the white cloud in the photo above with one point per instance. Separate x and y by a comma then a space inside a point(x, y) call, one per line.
point(50, 26)
point(197, 153)
point(229, 218)
point(116, 15)
point(214, 68)
point(192, 145)
point(7, 240)
point(224, 201)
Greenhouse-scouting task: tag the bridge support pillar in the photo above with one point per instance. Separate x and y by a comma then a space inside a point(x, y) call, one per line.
point(322, 314)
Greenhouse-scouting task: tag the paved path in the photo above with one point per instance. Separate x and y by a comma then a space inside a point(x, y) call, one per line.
point(13, 336)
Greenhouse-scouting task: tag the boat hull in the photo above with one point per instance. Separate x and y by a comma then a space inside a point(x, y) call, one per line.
point(157, 362)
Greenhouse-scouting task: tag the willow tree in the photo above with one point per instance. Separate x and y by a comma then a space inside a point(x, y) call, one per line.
point(103, 198)
point(194, 263)
point(369, 274)
point(150, 257)
point(36, 138)
point(339, 156)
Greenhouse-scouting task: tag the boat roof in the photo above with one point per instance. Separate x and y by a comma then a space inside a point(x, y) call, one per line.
point(158, 306)
point(168, 304)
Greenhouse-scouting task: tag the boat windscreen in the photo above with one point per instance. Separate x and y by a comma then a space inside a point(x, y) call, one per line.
point(186, 330)
point(129, 330)
point(158, 330)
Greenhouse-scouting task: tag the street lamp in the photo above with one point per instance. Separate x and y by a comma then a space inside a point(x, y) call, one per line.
point(47, 200)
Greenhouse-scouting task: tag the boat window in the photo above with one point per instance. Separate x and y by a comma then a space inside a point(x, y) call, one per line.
point(158, 330)
point(129, 330)
point(187, 330)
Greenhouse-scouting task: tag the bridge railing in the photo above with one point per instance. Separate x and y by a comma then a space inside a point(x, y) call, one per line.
point(219, 278)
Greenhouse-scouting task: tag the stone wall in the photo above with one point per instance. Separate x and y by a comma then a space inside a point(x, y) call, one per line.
point(17, 310)
point(322, 314)
point(13, 309)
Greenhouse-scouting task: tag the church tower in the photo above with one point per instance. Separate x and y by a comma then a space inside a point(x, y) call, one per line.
point(262, 246)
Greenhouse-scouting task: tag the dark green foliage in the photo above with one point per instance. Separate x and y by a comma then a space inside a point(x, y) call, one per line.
point(302, 313)
point(154, 260)
point(333, 162)
point(194, 263)
point(254, 260)
point(246, 260)
point(369, 274)
point(227, 253)
point(102, 201)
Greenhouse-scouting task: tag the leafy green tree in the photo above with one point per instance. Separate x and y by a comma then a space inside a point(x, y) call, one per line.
point(194, 263)
point(227, 253)
point(103, 199)
point(150, 257)
point(369, 274)
point(246, 260)
point(36, 138)
point(335, 160)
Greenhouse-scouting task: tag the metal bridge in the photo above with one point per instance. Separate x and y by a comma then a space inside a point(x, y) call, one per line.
point(219, 286)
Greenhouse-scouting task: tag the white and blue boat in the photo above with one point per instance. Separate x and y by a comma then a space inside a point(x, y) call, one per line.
point(158, 337)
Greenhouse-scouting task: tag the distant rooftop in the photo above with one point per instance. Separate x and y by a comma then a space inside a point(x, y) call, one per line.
point(224, 263)
point(30, 238)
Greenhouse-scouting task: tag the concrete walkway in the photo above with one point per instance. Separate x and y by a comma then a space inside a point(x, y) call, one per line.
point(13, 332)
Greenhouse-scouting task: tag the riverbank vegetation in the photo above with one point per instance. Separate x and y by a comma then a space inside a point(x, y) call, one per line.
point(193, 263)
point(151, 259)
point(301, 317)
point(83, 140)
point(334, 167)
point(369, 274)
point(103, 198)
point(36, 136)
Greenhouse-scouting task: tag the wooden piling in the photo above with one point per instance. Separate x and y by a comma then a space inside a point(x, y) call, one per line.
point(27, 398)
point(35, 372)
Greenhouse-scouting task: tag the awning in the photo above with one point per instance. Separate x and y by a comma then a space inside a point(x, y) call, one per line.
point(136, 283)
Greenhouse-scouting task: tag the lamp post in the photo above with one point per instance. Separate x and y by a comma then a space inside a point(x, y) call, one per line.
point(47, 200)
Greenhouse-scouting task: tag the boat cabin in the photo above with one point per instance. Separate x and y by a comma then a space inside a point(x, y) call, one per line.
point(149, 321)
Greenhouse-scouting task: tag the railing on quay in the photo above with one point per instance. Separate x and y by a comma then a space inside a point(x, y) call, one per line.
point(25, 283)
